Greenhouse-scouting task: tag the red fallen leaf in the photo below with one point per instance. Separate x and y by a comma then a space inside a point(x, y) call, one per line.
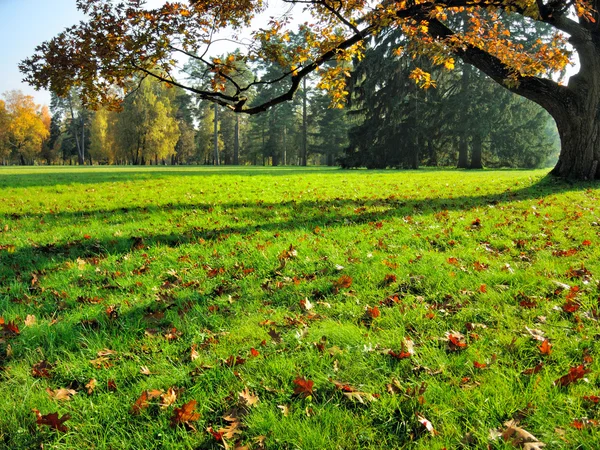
point(533, 370)
point(52, 420)
point(390, 301)
point(87, 236)
point(42, 369)
point(591, 398)
point(185, 414)
point(479, 365)
point(140, 404)
point(111, 385)
point(546, 347)
point(528, 304)
point(476, 223)
point(10, 328)
point(453, 261)
point(373, 312)
point(570, 306)
point(586, 243)
point(254, 352)
point(304, 387)
point(216, 434)
point(483, 288)
point(213, 308)
point(578, 425)
point(400, 355)
point(575, 373)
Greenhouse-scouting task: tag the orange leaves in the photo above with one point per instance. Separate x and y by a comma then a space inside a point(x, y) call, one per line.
point(456, 341)
point(52, 420)
point(343, 282)
point(304, 387)
point(187, 413)
point(545, 348)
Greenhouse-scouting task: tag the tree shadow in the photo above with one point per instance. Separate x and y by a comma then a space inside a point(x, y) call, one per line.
point(302, 215)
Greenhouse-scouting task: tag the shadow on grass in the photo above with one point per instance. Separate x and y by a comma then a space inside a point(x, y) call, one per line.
point(303, 215)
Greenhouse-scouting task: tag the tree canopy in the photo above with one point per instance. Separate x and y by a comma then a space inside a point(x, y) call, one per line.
point(122, 39)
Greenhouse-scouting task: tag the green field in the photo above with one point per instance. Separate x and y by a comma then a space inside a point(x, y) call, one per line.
point(300, 308)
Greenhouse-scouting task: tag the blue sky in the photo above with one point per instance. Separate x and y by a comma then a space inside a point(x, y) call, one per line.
point(23, 25)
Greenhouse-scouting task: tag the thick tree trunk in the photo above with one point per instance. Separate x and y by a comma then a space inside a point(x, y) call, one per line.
point(476, 144)
point(304, 154)
point(463, 153)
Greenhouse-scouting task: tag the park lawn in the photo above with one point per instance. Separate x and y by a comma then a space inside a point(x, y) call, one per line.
point(299, 308)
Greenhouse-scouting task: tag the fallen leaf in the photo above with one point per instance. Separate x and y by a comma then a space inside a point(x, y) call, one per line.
point(545, 348)
point(575, 373)
point(61, 394)
point(426, 423)
point(285, 410)
point(30, 320)
point(42, 369)
point(304, 387)
point(533, 370)
point(187, 413)
point(456, 341)
point(52, 420)
point(91, 386)
point(248, 398)
point(275, 336)
point(519, 437)
point(168, 398)
point(145, 371)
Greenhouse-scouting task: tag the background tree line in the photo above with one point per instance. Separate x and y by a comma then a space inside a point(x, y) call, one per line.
point(466, 120)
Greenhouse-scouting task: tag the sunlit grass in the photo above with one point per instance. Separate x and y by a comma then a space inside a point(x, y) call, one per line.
point(182, 270)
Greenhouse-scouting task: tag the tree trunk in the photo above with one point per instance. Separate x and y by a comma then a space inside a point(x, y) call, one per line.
point(304, 155)
point(463, 152)
point(236, 141)
point(476, 144)
point(216, 137)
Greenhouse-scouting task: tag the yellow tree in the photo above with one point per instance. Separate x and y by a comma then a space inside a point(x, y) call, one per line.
point(4, 150)
point(26, 128)
point(121, 39)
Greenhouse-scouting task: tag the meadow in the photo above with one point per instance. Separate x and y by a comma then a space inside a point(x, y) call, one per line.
point(297, 308)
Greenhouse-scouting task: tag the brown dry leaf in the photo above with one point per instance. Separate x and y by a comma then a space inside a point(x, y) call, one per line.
point(360, 397)
point(285, 410)
point(61, 394)
point(248, 398)
point(275, 336)
point(140, 404)
point(168, 398)
point(519, 437)
point(232, 429)
point(102, 362)
point(91, 386)
point(30, 320)
point(106, 353)
point(394, 387)
point(194, 355)
point(145, 371)
point(42, 369)
point(536, 334)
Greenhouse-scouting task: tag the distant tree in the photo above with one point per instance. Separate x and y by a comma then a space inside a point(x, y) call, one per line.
point(26, 130)
point(146, 129)
point(4, 122)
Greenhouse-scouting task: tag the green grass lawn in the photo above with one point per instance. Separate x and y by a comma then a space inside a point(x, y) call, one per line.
point(299, 308)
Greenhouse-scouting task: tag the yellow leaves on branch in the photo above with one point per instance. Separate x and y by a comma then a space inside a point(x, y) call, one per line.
point(422, 78)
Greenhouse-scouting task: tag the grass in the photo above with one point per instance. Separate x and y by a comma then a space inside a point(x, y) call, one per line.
point(180, 272)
